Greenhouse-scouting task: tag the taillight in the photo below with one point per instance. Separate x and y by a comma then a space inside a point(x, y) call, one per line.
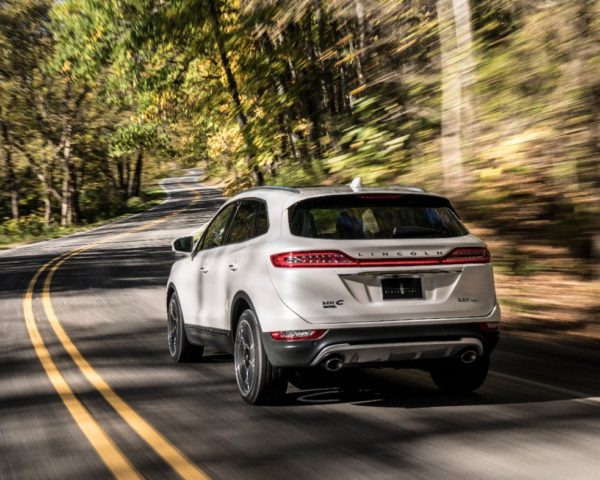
point(335, 258)
point(313, 259)
point(468, 255)
point(295, 335)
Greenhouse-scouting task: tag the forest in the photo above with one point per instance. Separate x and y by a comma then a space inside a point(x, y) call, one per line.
point(495, 103)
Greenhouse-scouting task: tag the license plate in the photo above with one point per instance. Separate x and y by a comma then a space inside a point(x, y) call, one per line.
point(401, 288)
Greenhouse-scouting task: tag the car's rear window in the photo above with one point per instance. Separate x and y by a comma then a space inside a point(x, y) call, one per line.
point(364, 216)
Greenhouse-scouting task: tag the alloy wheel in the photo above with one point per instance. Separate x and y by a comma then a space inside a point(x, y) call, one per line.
point(172, 326)
point(245, 357)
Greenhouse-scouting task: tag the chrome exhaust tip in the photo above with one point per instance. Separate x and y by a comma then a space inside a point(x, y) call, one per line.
point(333, 364)
point(468, 356)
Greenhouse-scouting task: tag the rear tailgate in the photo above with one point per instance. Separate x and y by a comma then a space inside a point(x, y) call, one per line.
point(426, 288)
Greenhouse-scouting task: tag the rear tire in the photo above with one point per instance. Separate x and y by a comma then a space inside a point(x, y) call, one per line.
point(180, 349)
point(259, 382)
point(453, 376)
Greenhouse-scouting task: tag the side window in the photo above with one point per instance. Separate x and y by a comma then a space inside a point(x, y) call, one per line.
point(242, 228)
point(262, 220)
point(250, 221)
point(215, 233)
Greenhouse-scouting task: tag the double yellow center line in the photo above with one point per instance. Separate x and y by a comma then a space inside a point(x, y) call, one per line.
point(106, 448)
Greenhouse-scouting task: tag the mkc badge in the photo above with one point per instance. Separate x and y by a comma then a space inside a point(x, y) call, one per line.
point(332, 303)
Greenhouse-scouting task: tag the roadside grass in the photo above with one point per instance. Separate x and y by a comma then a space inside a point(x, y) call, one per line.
point(31, 229)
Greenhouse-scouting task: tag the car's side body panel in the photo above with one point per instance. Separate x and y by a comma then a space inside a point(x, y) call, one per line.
point(212, 296)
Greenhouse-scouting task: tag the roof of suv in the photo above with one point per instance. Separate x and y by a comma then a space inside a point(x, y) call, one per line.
point(289, 195)
point(333, 190)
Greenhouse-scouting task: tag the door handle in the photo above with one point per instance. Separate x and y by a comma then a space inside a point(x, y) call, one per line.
point(204, 269)
point(233, 267)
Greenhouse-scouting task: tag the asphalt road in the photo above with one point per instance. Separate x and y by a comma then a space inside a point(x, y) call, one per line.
point(87, 388)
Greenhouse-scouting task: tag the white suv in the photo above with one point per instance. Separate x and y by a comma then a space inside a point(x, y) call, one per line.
point(335, 277)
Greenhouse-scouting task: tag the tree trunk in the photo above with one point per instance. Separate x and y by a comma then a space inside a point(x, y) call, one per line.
point(65, 201)
point(69, 211)
point(43, 171)
point(128, 176)
point(466, 62)
point(45, 179)
point(136, 178)
point(327, 67)
point(277, 84)
point(14, 203)
point(47, 203)
point(451, 152)
point(76, 215)
point(12, 182)
point(292, 138)
point(362, 43)
point(69, 204)
point(122, 184)
point(234, 92)
point(313, 98)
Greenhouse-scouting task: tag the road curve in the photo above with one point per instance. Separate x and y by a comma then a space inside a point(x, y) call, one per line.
point(87, 389)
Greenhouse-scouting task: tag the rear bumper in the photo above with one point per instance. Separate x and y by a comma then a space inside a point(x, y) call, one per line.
point(375, 345)
point(398, 351)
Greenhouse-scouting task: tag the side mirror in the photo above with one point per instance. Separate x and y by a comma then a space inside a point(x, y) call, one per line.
point(183, 245)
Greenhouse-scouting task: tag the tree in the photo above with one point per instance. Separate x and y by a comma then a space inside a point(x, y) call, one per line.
point(22, 41)
point(456, 53)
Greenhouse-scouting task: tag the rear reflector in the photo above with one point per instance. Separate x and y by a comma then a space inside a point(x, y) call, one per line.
point(295, 335)
point(489, 326)
point(335, 258)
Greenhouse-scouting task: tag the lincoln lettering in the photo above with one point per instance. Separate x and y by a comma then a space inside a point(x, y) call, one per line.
point(408, 253)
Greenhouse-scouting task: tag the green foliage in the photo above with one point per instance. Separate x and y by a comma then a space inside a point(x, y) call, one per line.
point(29, 225)
point(134, 203)
point(131, 137)
point(371, 147)
point(84, 32)
point(302, 92)
point(537, 167)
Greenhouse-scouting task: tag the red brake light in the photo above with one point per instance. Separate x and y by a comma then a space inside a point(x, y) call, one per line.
point(380, 197)
point(313, 259)
point(295, 335)
point(468, 255)
point(335, 258)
